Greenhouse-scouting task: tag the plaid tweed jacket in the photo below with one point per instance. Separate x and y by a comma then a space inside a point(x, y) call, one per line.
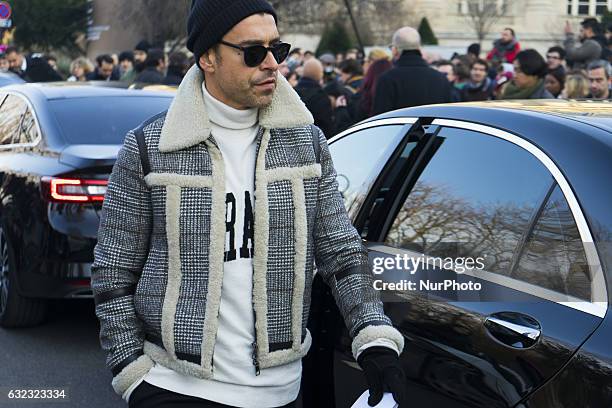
point(158, 265)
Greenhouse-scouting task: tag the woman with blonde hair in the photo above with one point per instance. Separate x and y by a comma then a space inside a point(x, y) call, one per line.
point(79, 69)
point(576, 85)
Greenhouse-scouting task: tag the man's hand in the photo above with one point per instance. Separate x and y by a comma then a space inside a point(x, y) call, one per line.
point(568, 28)
point(383, 372)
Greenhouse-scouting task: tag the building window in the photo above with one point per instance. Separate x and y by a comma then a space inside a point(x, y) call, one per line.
point(478, 6)
point(588, 7)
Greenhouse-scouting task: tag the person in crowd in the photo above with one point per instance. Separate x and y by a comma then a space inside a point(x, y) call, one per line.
point(80, 69)
point(339, 58)
point(234, 129)
point(329, 67)
point(52, 61)
point(351, 74)
point(106, 69)
point(341, 99)
point(375, 55)
point(576, 85)
point(528, 82)
point(295, 59)
point(311, 92)
point(155, 68)
point(555, 58)
point(462, 70)
point(178, 65)
point(293, 79)
point(126, 67)
point(447, 68)
point(30, 69)
point(4, 63)
point(600, 80)
point(590, 49)
point(351, 54)
point(505, 48)
point(365, 104)
point(411, 82)
point(555, 81)
point(473, 51)
point(480, 87)
point(308, 55)
point(140, 55)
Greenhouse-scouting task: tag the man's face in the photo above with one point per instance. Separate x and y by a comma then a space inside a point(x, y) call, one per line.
point(553, 59)
point(506, 36)
point(229, 79)
point(448, 71)
point(106, 69)
point(139, 56)
point(478, 73)
point(598, 83)
point(126, 65)
point(15, 60)
point(586, 32)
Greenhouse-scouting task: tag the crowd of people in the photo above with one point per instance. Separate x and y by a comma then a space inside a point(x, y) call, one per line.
point(145, 65)
point(341, 90)
point(345, 88)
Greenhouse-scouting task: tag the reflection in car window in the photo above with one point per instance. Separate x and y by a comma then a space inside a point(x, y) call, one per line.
point(554, 256)
point(359, 158)
point(10, 118)
point(28, 131)
point(475, 198)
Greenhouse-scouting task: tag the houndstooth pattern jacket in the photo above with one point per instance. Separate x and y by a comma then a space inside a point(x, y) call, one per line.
point(158, 265)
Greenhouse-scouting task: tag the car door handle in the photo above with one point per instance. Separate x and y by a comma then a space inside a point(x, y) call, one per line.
point(514, 329)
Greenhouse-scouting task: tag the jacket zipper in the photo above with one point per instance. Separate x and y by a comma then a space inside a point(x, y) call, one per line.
point(254, 355)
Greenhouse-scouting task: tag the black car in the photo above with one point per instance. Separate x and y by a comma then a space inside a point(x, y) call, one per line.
point(523, 190)
point(58, 144)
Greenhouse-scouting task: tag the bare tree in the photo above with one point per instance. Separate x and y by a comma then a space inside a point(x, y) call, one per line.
point(481, 15)
point(160, 21)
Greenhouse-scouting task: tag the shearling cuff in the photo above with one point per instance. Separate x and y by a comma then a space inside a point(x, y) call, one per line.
point(371, 333)
point(132, 373)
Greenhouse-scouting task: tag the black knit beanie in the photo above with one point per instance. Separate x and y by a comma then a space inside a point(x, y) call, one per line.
point(210, 20)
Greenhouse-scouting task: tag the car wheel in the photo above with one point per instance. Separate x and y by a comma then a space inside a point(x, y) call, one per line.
point(15, 310)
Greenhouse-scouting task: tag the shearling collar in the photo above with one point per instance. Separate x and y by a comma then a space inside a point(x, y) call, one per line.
point(187, 123)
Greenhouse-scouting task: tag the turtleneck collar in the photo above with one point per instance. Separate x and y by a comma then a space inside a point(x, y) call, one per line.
point(227, 117)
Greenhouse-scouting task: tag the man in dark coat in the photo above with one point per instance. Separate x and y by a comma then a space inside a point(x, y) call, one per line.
point(106, 69)
point(412, 82)
point(30, 69)
point(155, 67)
point(314, 97)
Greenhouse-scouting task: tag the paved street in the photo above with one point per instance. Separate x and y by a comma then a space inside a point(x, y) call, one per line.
point(62, 354)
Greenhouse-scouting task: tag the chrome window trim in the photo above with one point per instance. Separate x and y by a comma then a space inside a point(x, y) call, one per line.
point(375, 123)
point(599, 304)
point(31, 108)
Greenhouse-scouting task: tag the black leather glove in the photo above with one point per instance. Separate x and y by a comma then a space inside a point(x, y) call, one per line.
point(383, 371)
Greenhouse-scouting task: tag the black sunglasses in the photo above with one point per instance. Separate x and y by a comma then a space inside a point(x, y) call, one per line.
point(256, 54)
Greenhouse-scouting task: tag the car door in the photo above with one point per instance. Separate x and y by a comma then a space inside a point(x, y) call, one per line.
point(477, 206)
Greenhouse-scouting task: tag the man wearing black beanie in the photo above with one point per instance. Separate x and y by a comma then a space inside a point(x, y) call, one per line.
point(215, 214)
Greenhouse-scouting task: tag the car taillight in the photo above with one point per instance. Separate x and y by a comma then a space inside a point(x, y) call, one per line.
point(72, 190)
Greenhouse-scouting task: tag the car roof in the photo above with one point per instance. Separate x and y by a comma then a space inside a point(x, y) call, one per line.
point(63, 90)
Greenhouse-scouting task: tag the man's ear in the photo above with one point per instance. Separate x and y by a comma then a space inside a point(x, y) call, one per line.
point(207, 61)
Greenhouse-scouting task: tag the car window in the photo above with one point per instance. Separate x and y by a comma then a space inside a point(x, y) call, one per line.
point(359, 158)
point(104, 120)
point(475, 198)
point(553, 256)
point(11, 113)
